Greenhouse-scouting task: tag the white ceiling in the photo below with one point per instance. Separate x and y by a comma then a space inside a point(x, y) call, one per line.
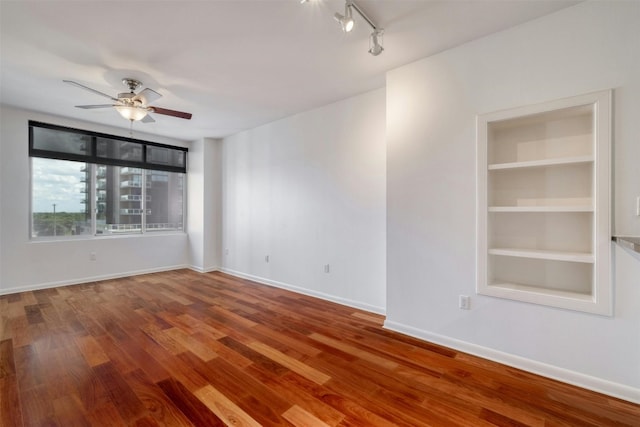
point(234, 64)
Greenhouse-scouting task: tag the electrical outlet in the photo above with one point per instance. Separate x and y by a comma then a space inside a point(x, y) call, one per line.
point(327, 268)
point(464, 302)
point(92, 256)
point(638, 206)
point(226, 251)
point(266, 258)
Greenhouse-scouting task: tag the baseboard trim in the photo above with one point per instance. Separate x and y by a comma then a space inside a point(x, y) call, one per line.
point(90, 279)
point(203, 270)
point(599, 385)
point(304, 291)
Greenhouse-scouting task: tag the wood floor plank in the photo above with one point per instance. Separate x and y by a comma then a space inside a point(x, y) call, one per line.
point(161, 336)
point(7, 359)
point(91, 350)
point(20, 331)
point(182, 348)
point(10, 406)
point(37, 407)
point(244, 388)
point(301, 418)
point(356, 352)
point(85, 382)
point(28, 369)
point(69, 411)
point(192, 344)
point(291, 363)
point(282, 386)
point(106, 415)
point(255, 356)
point(125, 400)
point(157, 403)
point(226, 411)
point(195, 410)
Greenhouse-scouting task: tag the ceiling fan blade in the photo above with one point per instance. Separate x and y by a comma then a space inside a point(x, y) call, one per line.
point(89, 107)
point(147, 119)
point(97, 92)
point(147, 96)
point(173, 113)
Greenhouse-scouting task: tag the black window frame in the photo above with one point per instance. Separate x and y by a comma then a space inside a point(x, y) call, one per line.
point(94, 158)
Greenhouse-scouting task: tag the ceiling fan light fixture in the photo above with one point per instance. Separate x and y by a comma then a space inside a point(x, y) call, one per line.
point(133, 107)
point(131, 113)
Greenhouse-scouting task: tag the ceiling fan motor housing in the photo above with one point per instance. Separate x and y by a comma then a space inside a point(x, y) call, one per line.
point(132, 84)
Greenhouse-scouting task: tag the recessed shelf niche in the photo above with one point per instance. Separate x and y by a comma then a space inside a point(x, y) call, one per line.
point(543, 203)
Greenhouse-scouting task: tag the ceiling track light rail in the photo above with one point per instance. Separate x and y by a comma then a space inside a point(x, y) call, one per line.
point(352, 4)
point(347, 23)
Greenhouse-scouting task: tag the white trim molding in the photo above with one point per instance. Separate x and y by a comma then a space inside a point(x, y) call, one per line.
point(578, 379)
point(82, 280)
point(203, 270)
point(304, 291)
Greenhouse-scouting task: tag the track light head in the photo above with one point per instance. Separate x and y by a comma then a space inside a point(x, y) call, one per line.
point(375, 42)
point(347, 23)
point(346, 20)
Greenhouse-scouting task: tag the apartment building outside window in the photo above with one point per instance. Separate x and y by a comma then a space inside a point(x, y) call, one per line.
point(87, 184)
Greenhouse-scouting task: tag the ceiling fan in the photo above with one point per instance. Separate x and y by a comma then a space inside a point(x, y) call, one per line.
point(130, 105)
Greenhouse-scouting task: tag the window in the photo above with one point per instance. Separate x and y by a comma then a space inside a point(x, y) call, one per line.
point(59, 198)
point(85, 183)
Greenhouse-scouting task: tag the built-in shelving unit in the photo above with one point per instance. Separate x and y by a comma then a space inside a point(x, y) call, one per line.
point(543, 203)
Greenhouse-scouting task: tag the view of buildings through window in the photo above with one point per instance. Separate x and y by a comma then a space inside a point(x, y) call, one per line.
point(71, 198)
point(62, 194)
point(125, 197)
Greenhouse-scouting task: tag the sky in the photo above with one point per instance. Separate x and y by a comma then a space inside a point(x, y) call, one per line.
point(59, 182)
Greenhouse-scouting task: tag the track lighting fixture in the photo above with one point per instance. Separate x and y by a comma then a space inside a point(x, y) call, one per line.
point(346, 20)
point(347, 23)
point(375, 42)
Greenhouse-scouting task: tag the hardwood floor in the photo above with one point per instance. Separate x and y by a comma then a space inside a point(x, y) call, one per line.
point(182, 348)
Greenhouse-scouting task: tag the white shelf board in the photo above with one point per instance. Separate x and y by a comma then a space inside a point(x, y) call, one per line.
point(568, 208)
point(559, 161)
point(541, 292)
point(543, 254)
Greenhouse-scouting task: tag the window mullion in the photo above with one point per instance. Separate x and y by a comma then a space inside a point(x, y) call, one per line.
point(143, 201)
point(93, 195)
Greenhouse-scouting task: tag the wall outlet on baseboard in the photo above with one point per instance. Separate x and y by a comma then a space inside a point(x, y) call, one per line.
point(92, 256)
point(464, 302)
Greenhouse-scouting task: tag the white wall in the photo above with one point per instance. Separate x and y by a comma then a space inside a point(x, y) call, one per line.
point(431, 109)
point(204, 204)
point(309, 190)
point(26, 264)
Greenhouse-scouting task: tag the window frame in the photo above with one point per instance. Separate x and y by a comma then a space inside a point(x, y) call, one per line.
point(94, 158)
point(92, 161)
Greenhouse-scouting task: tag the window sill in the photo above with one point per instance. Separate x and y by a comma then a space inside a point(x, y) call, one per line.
point(97, 237)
